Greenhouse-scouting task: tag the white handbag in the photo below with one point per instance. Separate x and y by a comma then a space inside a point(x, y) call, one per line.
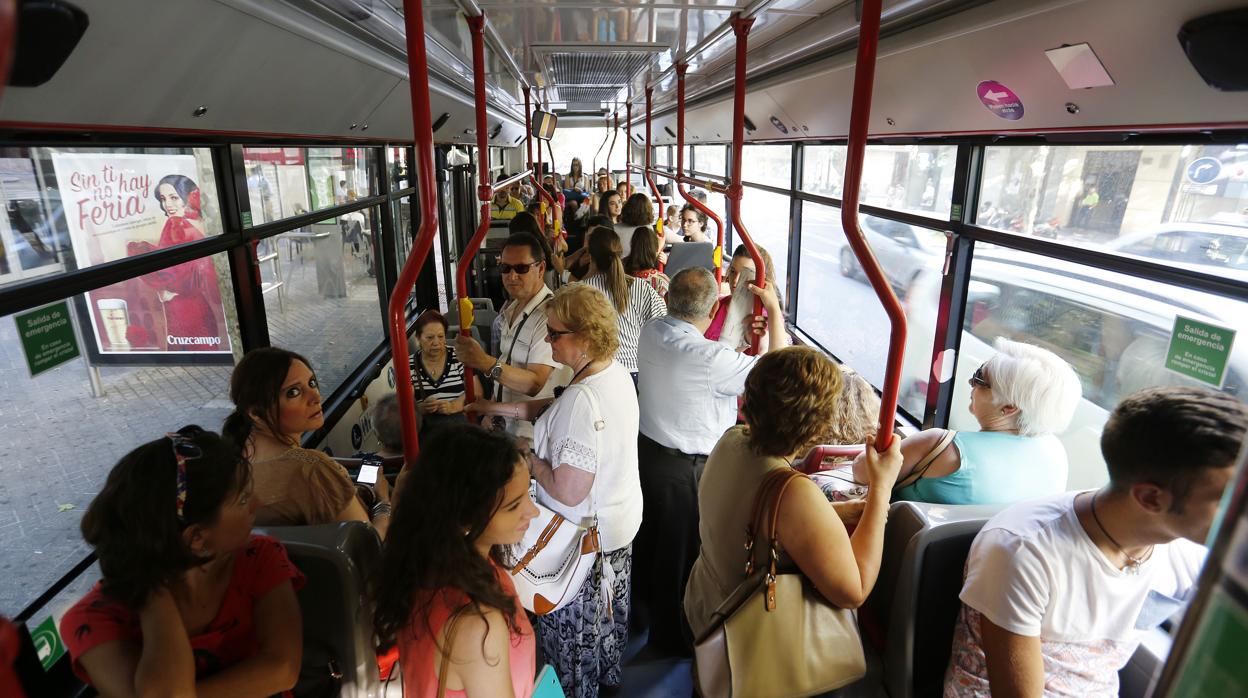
point(558, 554)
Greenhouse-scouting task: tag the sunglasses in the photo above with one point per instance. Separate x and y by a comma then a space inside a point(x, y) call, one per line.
point(977, 378)
point(552, 334)
point(505, 268)
point(184, 449)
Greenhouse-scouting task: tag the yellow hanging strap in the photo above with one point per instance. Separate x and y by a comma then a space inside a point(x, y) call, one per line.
point(718, 259)
point(658, 226)
point(465, 312)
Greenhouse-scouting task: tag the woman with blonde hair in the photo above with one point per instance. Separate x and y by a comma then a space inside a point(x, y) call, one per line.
point(634, 300)
point(791, 400)
point(584, 460)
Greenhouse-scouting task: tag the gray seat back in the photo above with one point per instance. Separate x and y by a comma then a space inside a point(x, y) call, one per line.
point(690, 254)
point(925, 549)
point(337, 616)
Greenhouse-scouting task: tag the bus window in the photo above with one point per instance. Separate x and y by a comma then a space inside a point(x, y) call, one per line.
point(710, 160)
point(766, 217)
point(771, 165)
point(286, 182)
point(328, 309)
point(912, 178)
point(839, 309)
point(1112, 329)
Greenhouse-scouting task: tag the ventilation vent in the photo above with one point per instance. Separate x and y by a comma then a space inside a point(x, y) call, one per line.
point(587, 95)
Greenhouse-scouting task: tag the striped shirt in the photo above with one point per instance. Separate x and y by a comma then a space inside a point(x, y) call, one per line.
point(448, 387)
point(644, 305)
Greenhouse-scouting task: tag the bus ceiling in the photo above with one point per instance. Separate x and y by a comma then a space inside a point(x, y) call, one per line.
point(337, 69)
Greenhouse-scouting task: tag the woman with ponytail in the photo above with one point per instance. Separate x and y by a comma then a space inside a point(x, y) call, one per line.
point(635, 302)
point(276, 400)
point(442, 591)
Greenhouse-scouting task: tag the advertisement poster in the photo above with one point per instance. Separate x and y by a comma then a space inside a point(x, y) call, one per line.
point(123, 205)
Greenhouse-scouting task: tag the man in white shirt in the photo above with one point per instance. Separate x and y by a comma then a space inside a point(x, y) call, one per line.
point(1058, 591)
point(525, 362)
point(687, 389)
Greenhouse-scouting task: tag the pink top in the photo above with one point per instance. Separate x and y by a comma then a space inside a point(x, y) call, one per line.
point(420, 658)
point(717, 323)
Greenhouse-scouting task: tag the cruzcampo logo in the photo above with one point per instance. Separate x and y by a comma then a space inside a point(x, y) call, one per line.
point(48, 645)
point(1199, 350)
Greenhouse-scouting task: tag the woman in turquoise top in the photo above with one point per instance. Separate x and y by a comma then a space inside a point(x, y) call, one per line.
point(1022, 398)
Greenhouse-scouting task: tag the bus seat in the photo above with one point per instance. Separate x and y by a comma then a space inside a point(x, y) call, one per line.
point(690, 254)
point(451, 332)
point(916, 595)
point(339, 650)
point(481, 316)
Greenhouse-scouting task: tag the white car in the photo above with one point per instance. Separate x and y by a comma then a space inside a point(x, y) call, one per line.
point(904, 251)
point(1213, 247)
point(1115, 335)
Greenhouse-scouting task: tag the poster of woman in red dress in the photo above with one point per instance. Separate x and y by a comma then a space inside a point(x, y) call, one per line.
point(124, 205)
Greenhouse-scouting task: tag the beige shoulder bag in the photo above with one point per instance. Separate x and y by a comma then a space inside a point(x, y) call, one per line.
point(775, 635)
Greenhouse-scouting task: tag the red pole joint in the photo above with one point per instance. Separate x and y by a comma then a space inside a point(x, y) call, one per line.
point(741, 28)
point(860, 114)
point(422, 127)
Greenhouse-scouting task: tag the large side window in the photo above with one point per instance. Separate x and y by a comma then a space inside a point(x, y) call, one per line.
point(911, 178)
point(837, 307)
point(766, 217)
point(285, 182)
point(1114, 330)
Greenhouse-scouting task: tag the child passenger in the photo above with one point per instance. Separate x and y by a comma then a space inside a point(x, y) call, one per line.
point(190, 602)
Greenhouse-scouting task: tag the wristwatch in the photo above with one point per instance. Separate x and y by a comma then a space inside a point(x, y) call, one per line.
point(496, 371)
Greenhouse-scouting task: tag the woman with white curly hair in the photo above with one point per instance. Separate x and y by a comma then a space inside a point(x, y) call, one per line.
point(1022, 397)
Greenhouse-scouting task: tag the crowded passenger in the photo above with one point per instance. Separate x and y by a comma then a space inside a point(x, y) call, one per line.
point(584, 460)
point(693, 225)
point(671, 226)
point(638, 211)
point(790, 398)
point(576, 180)
point(504, 206)
point(190, 602)
point(1059, 591)
point(1022, 398)
point(526, 222)
point(740, 269)
point(643, 260)
point(610, 205)
point(688, 388)
point(388, 425)
point(604, 183)
point(276, 400)
point(443, 592)
point(437, 375)
point(624, 188)
point(635, 301)
point(524, 363)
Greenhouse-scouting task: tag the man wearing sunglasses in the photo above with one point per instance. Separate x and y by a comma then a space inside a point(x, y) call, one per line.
point(525, 361)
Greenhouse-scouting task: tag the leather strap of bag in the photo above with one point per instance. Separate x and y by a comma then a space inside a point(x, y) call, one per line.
point(781, 479)
point(446, 651)
point(542, 541)
point(758, 516)
point(921, 467)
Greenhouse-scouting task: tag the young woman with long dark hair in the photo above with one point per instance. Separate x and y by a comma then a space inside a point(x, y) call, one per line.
point(643, 261)
point(443, 590)
point(635, 303)
point(190, 602)
point(276, 399)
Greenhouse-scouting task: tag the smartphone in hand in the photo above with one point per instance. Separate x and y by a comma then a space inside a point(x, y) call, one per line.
point(368, 474)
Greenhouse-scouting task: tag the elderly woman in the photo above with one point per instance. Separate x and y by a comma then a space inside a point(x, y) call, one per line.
point(585, 462)
point(790, 401)
point(437, 376)
point(1022, 398)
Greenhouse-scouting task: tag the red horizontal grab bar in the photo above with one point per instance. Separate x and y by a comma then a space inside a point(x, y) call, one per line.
point(864, 77)
point(741, 27)
point(418, 79)
point(507, 182)
point(815, 460)
point(718, 256)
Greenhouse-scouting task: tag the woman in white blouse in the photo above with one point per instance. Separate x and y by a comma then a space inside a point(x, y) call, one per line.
point(584, 459)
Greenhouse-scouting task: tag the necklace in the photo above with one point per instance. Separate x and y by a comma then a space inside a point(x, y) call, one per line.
point(1133, 563)
point(559, 391)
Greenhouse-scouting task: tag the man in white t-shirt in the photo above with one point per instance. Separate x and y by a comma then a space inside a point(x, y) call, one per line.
point(1058, 591)
point(525, 363)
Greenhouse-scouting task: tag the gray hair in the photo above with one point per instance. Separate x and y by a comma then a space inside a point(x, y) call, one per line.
point(691, 294)
point(1044, 388)
point(387, 424)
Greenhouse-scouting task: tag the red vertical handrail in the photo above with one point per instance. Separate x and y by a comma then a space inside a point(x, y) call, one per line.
point(476, 26)
point(614, 132)
point(628, 149)
point(594, 167)
point(864, 77)
point(658, 224)
point(561, 202)
point(741, 28)
point(718, 256)
point(8, 40)
point(418, 81)
point(534, 179)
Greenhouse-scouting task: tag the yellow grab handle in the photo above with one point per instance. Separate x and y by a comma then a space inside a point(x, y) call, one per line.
point(465, 313)
point(718, 258)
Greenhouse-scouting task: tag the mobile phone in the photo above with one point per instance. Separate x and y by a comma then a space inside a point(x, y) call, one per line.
point(368, 474)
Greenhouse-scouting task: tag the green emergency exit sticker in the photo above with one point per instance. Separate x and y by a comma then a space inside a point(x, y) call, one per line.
point(246, 219)
point(47, 337)
point(955, 213)
point(48, 645)
point(1199, 350)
